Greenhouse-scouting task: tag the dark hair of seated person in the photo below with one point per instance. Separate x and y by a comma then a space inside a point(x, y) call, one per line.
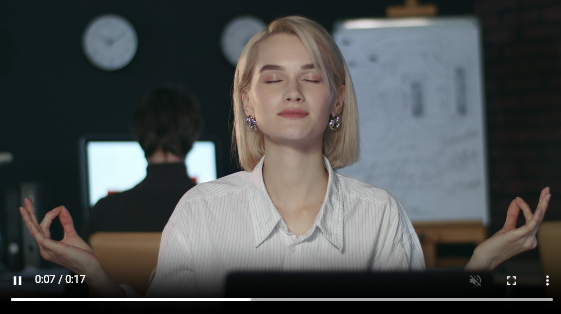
point(166, 122)
point(169, 119)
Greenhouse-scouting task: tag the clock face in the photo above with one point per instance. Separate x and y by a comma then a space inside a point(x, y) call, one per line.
point(109, 42)
point(236, 34)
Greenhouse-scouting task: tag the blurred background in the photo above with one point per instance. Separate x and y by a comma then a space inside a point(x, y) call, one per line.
point(51, 95)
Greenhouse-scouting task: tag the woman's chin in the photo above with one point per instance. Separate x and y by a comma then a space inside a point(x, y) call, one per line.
point(296, 138)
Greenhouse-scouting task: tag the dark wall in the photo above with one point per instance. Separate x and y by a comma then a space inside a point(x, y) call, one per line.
point(522, 55)
point(50, 95)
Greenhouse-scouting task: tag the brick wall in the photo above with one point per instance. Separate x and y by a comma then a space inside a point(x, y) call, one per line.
point(522, 64)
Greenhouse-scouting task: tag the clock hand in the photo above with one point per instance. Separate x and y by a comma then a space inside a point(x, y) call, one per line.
point(114, 41)
point(104, 40)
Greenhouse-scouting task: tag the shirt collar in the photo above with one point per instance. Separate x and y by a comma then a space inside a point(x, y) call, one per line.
point(265, 216)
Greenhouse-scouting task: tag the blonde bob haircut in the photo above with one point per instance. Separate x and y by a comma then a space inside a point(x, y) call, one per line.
point(341, 147)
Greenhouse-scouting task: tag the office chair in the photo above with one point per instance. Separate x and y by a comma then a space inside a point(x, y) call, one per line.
point(128, 257)
point(549, 234)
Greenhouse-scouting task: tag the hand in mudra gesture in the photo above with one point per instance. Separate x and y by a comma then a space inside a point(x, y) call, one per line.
point(510, 241)
point(71, 252)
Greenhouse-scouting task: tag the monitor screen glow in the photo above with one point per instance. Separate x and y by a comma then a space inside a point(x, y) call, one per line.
point(116, 166)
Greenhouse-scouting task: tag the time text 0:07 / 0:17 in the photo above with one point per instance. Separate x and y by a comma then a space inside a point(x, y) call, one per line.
point(61, 279)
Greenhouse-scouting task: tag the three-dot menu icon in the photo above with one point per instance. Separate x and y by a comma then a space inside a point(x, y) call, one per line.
point(547, 280)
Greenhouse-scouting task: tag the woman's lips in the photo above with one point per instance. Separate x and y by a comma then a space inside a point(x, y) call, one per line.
point(293, 113)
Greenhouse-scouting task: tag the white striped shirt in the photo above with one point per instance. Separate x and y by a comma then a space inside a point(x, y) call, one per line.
point(231, 224)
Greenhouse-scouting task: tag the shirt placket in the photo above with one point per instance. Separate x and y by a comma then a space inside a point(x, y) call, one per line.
point(294, 247)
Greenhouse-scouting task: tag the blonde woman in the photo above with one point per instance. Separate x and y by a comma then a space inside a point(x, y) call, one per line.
point(295, 121)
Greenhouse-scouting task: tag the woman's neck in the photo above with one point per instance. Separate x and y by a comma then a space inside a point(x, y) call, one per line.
point(296, 181)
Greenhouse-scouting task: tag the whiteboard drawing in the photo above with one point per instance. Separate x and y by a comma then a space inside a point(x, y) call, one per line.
point(421, 115)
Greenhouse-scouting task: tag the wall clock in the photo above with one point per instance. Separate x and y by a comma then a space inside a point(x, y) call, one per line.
point(236, 34)
point(109, 42)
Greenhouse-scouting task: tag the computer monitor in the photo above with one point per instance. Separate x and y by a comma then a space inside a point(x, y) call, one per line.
point(112, 164)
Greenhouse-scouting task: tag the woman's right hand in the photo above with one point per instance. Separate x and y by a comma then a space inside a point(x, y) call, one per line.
point(71, 252)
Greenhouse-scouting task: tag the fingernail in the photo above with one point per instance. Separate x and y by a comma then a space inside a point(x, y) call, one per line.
point(547, 190)
point(548, 197)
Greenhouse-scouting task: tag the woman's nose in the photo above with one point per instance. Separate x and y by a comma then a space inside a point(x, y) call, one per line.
point(293, 93)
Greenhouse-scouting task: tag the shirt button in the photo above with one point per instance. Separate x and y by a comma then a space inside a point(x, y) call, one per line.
point(292, 249)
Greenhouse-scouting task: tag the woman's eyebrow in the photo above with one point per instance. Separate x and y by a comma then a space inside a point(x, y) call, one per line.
point(271, 67)
point(280, 68)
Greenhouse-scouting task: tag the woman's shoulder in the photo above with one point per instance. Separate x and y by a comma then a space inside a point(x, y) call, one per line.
point(373, 201)
point(216, 188)
point(355, 188)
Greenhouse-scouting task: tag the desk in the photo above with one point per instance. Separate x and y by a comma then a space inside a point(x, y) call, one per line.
point(448, 232)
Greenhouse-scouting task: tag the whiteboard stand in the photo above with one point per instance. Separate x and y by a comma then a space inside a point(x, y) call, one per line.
point(448, 232)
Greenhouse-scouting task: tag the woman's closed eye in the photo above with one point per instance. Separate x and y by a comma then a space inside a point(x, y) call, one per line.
point(306, 80)
point(311, 78)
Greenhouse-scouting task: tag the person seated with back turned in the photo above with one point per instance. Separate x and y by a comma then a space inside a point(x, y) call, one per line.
point(166, 123)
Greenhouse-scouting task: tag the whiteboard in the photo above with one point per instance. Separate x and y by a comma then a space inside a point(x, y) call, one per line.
point(418, 84)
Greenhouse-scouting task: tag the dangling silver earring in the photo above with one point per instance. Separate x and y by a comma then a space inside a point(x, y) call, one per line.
point(251, 123)
point(334, 123)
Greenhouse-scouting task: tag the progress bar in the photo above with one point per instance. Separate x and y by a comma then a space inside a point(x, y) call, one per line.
point(280, 299)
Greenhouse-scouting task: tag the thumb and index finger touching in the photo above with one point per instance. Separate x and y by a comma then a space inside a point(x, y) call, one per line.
point(29, 217)
point(532, 219)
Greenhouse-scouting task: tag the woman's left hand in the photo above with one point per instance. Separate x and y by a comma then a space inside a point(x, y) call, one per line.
point(510, 241)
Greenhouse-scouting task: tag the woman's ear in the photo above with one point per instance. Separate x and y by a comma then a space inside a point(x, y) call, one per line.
point(339, 100)
point(247, 107)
